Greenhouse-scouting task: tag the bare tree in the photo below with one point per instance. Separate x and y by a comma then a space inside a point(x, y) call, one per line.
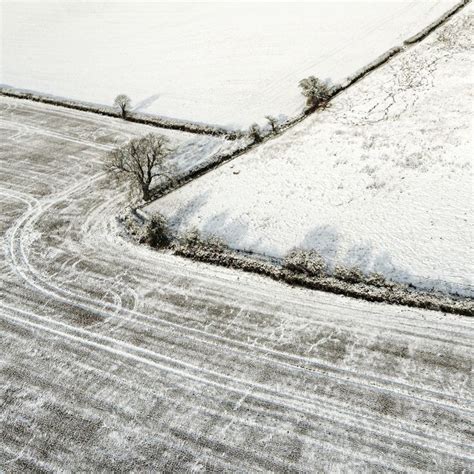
point(255, 133)
point(316, 91)
point(123, 102)
point(140, 161)
point(273, 122)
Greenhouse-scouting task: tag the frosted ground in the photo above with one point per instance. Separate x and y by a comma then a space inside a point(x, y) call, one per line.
point(381, 180)
point(118, 358)
point(188, 150)
point(228, 64)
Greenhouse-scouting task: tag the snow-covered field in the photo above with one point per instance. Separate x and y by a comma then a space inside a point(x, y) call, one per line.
point(188, 150)
point(382, 180)
point(221, 63)
point(118, 358)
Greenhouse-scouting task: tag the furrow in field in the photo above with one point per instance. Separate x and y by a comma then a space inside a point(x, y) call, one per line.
point(105, 315)
point(261, 392)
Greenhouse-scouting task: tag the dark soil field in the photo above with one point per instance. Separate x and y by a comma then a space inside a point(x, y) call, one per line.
point(117, 357)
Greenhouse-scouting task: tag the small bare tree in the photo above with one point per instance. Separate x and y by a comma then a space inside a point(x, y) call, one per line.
point(316, 91)
point(255, 133)
point(140, 161)
point(123, 102)
point(273, 122)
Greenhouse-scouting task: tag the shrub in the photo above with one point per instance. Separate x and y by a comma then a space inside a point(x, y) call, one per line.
point(236, 135)
point(215, 243)
point(157, 233)
point(191, 238)
point(376, 279)
point(348, 274)
point(194, 241)
point(316, 91)
point(308, 262)
point(132, 226)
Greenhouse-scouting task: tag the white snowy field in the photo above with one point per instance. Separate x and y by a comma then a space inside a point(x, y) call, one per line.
point(381, 180)
point(221, 63)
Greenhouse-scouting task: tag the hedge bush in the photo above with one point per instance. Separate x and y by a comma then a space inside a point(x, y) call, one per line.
point(308, 262)
point(348, 274)
point(157, 232)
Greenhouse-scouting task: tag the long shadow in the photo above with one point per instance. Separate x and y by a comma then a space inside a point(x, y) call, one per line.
point(145, 103)
point(326, 241)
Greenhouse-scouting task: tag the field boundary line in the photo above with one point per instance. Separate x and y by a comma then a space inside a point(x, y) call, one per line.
point(260, 264)
point(381, 60)
point(109, 111)
point(216, 130)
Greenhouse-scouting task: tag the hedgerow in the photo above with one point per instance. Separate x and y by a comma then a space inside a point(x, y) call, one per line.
point(306, 269)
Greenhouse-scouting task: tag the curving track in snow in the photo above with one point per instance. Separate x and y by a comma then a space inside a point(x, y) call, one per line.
point(118, 357)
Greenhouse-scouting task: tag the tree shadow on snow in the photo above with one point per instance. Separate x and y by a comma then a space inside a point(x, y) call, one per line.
point(326, 240)
point(145, 103)
point(183, 215)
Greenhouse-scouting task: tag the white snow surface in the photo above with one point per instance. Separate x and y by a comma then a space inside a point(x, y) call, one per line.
point(381, 180)
point(220, 63)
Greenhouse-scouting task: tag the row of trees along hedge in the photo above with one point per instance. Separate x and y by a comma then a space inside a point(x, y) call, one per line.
point(142, 160)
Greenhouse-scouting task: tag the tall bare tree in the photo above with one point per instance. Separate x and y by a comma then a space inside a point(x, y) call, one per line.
point(140, 161)
point(123, 102)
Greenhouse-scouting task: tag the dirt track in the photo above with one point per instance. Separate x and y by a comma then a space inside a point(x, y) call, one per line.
point(116, 357)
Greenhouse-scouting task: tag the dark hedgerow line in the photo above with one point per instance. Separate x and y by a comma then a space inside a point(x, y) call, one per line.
point(346, 282)
point(299, 268)
point(221, 159)
point(144, 119)
point(213, 130)
point(212, 251)
point(437, 23)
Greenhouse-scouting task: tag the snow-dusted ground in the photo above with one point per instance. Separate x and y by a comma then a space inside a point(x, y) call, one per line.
point(220, 63)
point(188, 150)
point(381, 180)
point(118, 358)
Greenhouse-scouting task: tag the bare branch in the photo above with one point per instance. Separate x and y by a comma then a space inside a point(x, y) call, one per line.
point(141, 160)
